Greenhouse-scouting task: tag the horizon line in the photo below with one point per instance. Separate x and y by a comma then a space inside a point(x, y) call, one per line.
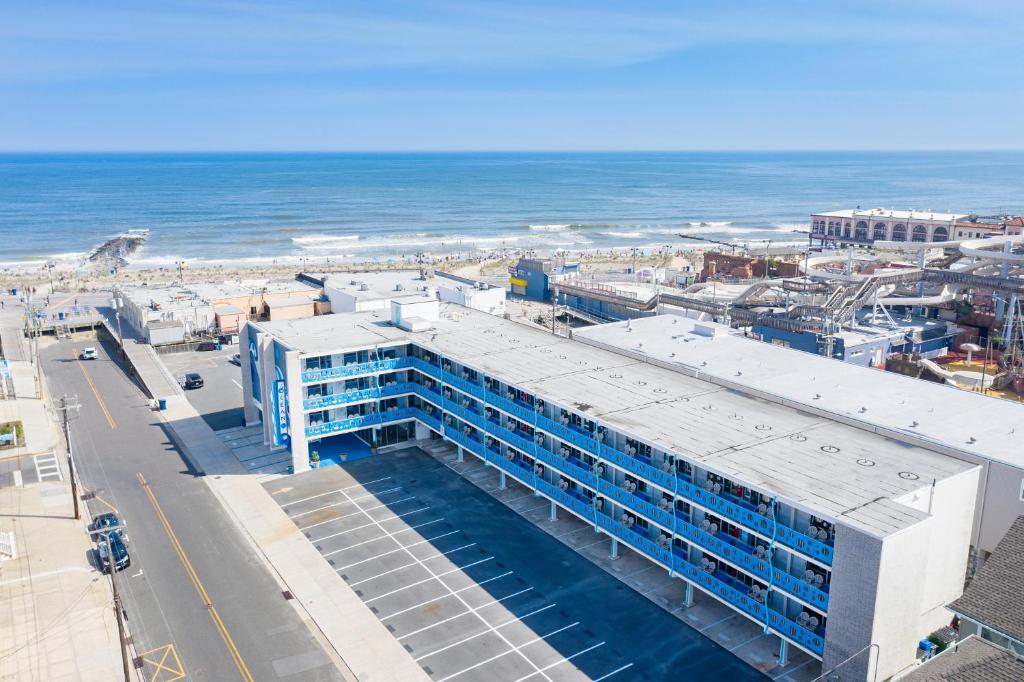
point(696, 150)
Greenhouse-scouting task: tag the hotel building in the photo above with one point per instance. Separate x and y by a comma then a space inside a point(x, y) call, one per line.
point(837, 540)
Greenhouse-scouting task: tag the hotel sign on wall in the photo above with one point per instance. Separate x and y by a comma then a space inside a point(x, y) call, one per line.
point(281, 436)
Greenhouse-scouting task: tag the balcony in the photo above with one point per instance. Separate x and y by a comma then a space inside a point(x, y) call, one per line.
point(636, 503)
point(432, 371)
point(635, 540)
point(665, 479)
point(566, 433)
point(361, 421)
point(357, 395)
point(313, 376)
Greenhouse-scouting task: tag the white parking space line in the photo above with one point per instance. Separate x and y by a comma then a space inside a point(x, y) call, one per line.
point(431, 601)
point(463, 601)
point(565, 660)
point(377, 506)
point(367, 525)
point(236, 383)
point(469, 611)
point(471, 637)
point(433, 576)
point(540, 671)
point(397, 549)
point(336, 504)
point(614, 672)
point(389, 535)
point(604, 538)
point(395, 570)
point(337, 490)
point(757, 636)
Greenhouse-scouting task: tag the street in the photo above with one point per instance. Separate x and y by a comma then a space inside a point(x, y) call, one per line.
point(196, 594)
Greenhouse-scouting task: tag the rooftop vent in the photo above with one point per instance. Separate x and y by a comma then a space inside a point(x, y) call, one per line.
point(364, 287)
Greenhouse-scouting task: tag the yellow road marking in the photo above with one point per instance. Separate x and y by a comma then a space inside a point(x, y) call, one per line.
point(103, 405)
point(105, 503)
point(236, 656)
point(174, 669)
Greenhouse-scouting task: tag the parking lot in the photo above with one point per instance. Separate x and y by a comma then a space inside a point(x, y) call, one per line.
point(219, 401)
point(475, 592)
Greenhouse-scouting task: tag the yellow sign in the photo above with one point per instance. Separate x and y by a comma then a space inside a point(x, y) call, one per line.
point(516, 281)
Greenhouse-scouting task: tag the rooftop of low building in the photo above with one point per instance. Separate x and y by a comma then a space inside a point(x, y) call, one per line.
point(995, 596)
point(971, 660)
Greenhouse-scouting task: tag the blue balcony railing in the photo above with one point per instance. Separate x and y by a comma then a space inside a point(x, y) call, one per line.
point(635, 503)
point(313, 376)
point(635, 540)
point(732, 510)
point(361, 422)
point(357, 395)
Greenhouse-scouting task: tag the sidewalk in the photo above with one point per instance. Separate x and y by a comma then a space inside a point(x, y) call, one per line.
point(366, 649)
point(56, 618)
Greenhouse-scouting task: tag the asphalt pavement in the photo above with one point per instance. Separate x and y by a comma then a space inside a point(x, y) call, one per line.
point(219, 401)
point(196, 593)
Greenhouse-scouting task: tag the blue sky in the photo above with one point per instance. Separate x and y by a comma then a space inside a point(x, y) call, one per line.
point(522, 75)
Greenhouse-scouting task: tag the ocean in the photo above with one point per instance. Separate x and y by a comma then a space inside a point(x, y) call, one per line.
point(362, 206)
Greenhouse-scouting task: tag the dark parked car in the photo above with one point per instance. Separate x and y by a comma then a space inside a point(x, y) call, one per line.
point(111, 545)
point(105, 522)
point(193, 380)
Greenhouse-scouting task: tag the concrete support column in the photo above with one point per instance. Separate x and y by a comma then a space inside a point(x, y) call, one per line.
point(554, 512)
point(688, 596)
point(501, 480)
point(613, 553)
point(458, 453)
point(783, 658)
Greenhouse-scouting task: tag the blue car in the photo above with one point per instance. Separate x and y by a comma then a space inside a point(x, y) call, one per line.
point(113, 552)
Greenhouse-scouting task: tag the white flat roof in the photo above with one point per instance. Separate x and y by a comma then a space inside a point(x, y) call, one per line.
point(379, 285)
point(826, 467)
point(971, 424)
point(922, 215)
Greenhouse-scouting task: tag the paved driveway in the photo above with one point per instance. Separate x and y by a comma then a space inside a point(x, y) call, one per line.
point(475, 592)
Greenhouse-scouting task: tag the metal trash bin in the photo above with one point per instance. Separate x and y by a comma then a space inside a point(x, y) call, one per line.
point(163, 404)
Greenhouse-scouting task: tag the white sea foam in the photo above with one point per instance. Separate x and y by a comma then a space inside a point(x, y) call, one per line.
point(319, 239)
point(550, 228)
point(626, 235)
point(792, 227)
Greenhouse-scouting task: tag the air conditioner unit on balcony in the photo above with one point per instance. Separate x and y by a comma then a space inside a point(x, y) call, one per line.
point(563, 484)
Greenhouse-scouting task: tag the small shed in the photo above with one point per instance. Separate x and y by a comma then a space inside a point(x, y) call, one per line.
point(163, 332)
point(291, 308)
point(229, 318)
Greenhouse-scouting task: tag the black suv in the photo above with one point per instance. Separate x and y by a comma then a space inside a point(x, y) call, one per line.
point(193, 380)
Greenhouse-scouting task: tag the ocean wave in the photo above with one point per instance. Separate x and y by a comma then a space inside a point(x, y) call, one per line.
point(324, 239)
point(792, 227)
point(710, 223)
point(554, 227)
point(625, 235)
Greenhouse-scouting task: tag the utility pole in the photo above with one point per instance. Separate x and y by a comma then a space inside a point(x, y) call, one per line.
point(117, 609)
point(64, 408)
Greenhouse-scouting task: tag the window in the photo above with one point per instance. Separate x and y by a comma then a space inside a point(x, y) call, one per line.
point(1022, 490)
point(941, 234)
point(879, 234)
point(899, 232)
point(861, 233)
point(252, 311)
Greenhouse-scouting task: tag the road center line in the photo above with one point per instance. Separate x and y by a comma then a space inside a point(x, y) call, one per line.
point(95, 392)
point(236, 656)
